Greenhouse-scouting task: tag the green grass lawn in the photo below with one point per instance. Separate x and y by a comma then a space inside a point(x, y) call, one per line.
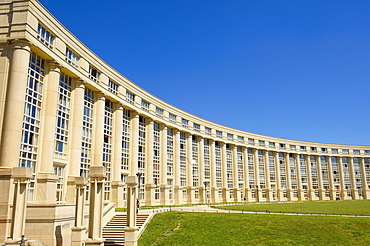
point(181, 228)
point(356, 207)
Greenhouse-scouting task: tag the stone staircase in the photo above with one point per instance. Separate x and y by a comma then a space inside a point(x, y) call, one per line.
point(113, 232)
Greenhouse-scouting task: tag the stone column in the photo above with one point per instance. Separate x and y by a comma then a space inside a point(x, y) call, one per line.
point(12, 127)
point(98, 130)
point(235, 174)
point(343, 190)
point(365, 184)
point(14, 104)
point(164, 187)
point(131, 231)
point(319, 176)
point(21, 177)
point(300, 190)
point(214, 188)
point(117, 184)
point(247, 190)
point(97, 176)
point(258, 191)
point(330, 177)
point(46, 180)
point(354, 192)
point(225, 188)
point(79, 228)
point(267, 176)
point(149, 184)
point(75, 136)
point(190, 190)
point(310, 192)
point(279, 193)
point(202, 187)
point(288, 177)
point(134, 143)
point(176, 168)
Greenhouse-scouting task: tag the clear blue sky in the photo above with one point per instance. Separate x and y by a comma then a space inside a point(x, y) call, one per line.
point(292, 69)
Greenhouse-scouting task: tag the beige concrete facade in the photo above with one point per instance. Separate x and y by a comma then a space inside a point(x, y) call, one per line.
point(75, 133)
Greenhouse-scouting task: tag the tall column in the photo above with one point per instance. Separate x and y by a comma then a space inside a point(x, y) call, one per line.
point(46, 180)
point(247, 190)
point(330, 177)
point(79, 229)
point(225, 189)
point(190, 189)
point(257, 175)
point(98, 131)
point(267, 176)
point(176, 169)
point(149, 184)
point(117, 184)
point(163, 186)
point(75, 136)
point(12, 128)
point(300, 191)
point(310, 192)
point(14, 105)
point(97, 176)
point(279, 193)
point(354, 192)
point(214, 188)
point(202, 187)
point(365, 184)
point(288, 177)
point(236, 189)
point(319, 177)
point(134, 143)
point(343, 190)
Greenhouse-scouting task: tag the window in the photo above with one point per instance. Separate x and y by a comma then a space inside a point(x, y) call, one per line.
point(159, 112)
point(367, 152)
point(240, 139)
point(45, 37)
point(356, 152)
point(130, 97)
point(219, 134)
point(303, 148)
point(185, 123)
point(59, 171)
point(94, 74)
point(207, 130)
point(334, 151)
point(196, 127)
point(113, 87)
point(250, 141)
point(271, 145)
point(172, 118)
point(324, 150)
point(71, 57)
point(282, 146)
point(261, 143)
point(313, 149)
point(144, 105)
point(345, 151)
point(292, 147)
point(230, 136)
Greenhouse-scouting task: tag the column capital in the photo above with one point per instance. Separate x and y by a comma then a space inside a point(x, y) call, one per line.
point(100, 96)
point(54, 67)
point(21, 44)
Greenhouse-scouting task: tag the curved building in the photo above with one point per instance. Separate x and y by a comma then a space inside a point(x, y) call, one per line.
point(75, 133)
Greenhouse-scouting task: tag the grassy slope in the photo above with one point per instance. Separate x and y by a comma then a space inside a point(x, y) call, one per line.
point(337, 207)
point(253, 229)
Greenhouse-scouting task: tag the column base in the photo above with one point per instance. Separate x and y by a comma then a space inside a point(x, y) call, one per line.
point(78, 236)
point(149, 194)
point(190, 194)
point(164, 194)
point(131, 236)
point(96, 242)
